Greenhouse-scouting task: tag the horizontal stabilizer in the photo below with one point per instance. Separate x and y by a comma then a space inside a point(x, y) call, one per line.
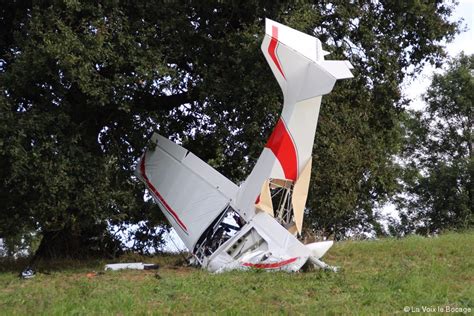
point(297, 61)
point(339, 69)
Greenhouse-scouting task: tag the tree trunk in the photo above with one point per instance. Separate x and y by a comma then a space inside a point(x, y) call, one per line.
point(90, 242)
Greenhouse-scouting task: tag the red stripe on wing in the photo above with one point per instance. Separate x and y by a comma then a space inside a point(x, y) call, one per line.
point(270, 265)
point(159, 197)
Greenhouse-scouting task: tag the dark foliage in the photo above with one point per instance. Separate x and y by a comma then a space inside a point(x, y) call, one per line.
point(84, 83)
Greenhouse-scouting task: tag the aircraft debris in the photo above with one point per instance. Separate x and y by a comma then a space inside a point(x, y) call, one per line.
point(131, 266)
point(253, 225)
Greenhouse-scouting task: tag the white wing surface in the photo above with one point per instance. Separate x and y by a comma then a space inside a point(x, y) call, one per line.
point(190, 193)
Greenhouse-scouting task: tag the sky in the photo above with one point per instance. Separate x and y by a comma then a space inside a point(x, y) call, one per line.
point(414, 88)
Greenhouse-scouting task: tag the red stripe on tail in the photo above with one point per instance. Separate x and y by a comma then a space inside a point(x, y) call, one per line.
point(282, 146)
point(272, 49)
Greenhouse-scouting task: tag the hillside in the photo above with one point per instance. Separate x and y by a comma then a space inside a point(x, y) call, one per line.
point(376, 277)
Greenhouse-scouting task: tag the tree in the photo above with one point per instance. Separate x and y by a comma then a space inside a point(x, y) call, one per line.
point(358, 133)
point(439, 173)
point(84, 84)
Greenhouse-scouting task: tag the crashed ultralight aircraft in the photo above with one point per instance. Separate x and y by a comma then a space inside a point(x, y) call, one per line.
point(252, 225)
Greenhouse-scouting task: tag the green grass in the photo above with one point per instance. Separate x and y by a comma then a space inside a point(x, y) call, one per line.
point(376, 277)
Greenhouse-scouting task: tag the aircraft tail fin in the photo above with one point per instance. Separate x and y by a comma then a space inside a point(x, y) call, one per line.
point(297, 61)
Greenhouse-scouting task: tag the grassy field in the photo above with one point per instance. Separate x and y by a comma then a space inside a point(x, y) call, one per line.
point(376, 277)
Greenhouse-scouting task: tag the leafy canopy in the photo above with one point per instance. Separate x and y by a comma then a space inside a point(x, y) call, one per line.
point(84, 83)
point(439, 149)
